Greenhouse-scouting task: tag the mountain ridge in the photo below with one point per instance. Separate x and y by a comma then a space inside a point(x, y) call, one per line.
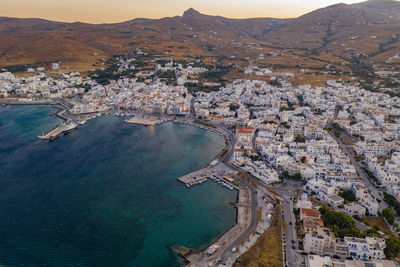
point(369, 28)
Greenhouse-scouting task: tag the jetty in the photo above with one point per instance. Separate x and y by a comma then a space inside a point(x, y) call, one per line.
point(57, 131)
point(197, 177)
point(144, 121)
point(201, 176)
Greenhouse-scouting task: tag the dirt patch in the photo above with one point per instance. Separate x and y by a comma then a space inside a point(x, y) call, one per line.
point(268, 249)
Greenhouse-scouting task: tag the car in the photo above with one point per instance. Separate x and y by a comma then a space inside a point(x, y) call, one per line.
point(292, 241)
point(304, 254)
point(290, 223)
point(293, 247)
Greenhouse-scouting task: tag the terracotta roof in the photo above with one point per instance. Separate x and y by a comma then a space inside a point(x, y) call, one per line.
point(216, 116)
point(310, 213)
point(248, 129)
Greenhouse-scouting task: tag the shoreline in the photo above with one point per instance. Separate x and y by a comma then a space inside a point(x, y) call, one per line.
point(217, 161)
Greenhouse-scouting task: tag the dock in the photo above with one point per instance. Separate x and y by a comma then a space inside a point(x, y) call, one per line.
point(201, 176)
point(56, 132)
point(144, 121)
point(197, 177)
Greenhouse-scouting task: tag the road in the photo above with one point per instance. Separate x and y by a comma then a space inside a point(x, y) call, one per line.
point(349, 152)
point(253, 205)
point(230, 138)
point(287, 193)
point(360, 171)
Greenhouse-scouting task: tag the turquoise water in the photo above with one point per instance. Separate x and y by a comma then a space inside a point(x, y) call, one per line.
point(106, 194)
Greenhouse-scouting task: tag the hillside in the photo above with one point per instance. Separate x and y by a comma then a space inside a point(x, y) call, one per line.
point(367, 28)
point(343, 31)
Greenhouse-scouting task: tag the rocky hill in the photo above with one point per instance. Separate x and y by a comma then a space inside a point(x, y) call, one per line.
point(370, 29)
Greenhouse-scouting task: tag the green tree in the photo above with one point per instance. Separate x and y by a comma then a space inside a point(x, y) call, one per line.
point(348, 195)
point(300, 139)
point(341, 224)
point(389, 215)
point(297, 177)
point(392, 249)
point(392, 201)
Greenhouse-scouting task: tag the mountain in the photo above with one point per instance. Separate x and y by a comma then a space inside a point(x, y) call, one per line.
point(250, 28)
point(14, 25)
point(370, 28)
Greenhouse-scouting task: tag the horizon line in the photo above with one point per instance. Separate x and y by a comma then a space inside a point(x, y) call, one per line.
point(159, 18)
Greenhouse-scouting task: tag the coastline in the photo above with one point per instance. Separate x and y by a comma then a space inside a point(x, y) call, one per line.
point(64, 113)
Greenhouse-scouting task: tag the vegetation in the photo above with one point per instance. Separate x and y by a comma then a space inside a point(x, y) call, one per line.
point(193, 88)
point(378, 222)
point(286, 125)
point(389, 215)
point(372, 176)
point(104, 77)
point(392, 201)
point(361, 69)
point(16, 68)
point(348, 195)
point(169, 74)
point(275, 83)
point(217, 75)
point(233, 107)
point(392, 249)
point(255, 158)
point(340, 224)
point(300, 139)
point(392, 94)
point(296, 176)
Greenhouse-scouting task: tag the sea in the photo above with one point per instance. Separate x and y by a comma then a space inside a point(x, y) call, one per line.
point(105, 194)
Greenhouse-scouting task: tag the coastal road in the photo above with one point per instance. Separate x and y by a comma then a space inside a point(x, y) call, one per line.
point(251, 226)
point(226, 159)
point(227, 253)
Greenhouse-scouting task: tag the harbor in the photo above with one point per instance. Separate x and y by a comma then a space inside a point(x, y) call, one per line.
point(84, 163)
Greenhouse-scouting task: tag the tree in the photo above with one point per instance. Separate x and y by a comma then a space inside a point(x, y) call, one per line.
point(297, 177)
point(337, 133)
point(348, 195)
point(389, 215)
point(300, 139)
point(323, 210)
point(392, 201)
point(341, 224)
point(233, 107)
point(392, 249)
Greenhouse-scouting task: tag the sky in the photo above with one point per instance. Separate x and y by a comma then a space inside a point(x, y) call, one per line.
point(108, 11)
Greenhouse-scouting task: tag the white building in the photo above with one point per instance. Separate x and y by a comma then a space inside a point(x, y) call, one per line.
point(369, 248)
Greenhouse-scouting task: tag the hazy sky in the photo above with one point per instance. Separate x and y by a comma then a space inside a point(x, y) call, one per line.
point(97, 11)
